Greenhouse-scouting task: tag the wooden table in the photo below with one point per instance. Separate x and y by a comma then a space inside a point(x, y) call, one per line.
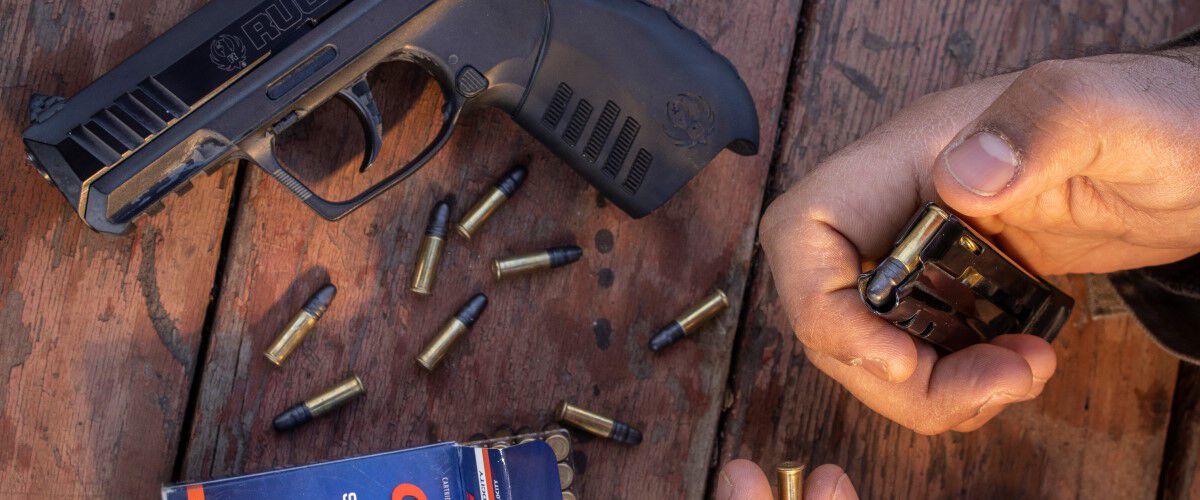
point(128, 362)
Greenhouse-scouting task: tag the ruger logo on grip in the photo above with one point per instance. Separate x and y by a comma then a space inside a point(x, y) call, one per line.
point(228, 53)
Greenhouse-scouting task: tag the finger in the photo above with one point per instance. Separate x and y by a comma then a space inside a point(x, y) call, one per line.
point(1042, 364)
point(829, 482)
point(942, 393)
point(1046, 128)
point(1037, 352)
point(853, 205)
point(743, 480)
point(818, 287)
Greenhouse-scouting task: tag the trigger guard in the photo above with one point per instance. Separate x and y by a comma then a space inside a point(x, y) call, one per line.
point(360, 99)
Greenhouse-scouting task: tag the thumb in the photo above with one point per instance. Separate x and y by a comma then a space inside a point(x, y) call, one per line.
point(743, 480)
point(1038, 134)
point(829, 482)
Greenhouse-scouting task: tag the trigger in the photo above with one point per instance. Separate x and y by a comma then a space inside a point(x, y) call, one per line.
point(360, 99)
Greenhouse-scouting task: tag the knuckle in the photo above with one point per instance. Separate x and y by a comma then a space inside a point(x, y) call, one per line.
point(1057, 84)
point(775, 219)
point(787, 220)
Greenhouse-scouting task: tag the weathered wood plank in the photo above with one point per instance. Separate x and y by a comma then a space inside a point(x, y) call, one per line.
point(1098, 430)
point(98, 334)
point(578, 333)
point(1181, 458)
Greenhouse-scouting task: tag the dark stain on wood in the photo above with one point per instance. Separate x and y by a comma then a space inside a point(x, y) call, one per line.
point(602, 328)
point(164, 326)
point(604, 241)
point(605, 278)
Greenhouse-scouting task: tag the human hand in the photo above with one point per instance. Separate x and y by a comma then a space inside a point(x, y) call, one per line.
point(743, 480)
point(1090, 165)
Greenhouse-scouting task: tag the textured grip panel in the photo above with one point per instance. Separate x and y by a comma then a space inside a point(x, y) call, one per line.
point(671, 104)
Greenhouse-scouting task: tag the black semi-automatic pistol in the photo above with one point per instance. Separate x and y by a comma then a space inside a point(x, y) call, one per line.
point(948, 285)
point(619, 89)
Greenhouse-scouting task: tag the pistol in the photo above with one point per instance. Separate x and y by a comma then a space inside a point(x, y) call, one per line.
point(618, 89)
point(947, 284)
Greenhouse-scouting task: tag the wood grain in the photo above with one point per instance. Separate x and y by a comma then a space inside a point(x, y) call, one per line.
point(1098, 430)
point(98, 334)
point(1181, 458)
point(579, 333)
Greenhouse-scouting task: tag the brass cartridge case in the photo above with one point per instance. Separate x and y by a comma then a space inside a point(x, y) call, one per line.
point(455, 328)
point(690, 321)
point(596, 424)
point(337, 396)
point(491, 202)
point(480, 213)
point(791, 480)
point(300, 325)
point(521, 264)
point(905, 257)
point(429, 257)
point(566, 475)
point(561, 446)
point(320, 404)
point(445, 338)
point(694, 318)
point(550, 258)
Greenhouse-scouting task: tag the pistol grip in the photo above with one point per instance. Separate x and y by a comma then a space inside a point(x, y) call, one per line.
point(634, 101)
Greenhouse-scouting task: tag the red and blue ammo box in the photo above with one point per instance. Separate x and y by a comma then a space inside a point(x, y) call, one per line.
point(448, 471)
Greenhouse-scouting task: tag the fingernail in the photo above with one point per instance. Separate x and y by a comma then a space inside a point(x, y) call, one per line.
point(878, 368)
point(725, 488)
point(997, 400)
point(984, 163)
point(844, 490)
